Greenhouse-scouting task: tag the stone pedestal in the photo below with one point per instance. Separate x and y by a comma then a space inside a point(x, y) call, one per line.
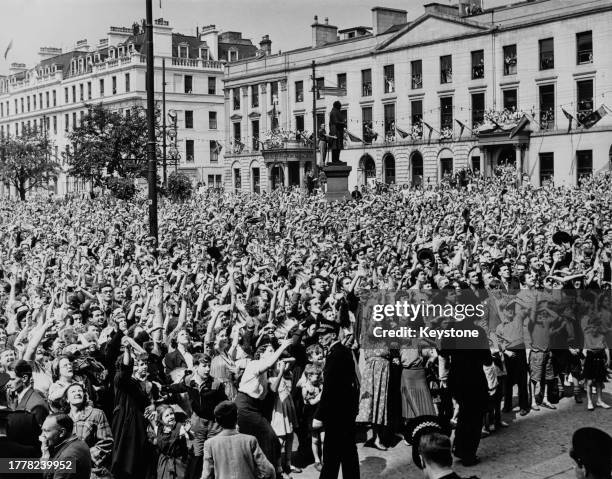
point(337, 181)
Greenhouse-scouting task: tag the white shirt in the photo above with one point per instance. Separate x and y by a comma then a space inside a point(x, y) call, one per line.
point(254, 382)
point(23, 393)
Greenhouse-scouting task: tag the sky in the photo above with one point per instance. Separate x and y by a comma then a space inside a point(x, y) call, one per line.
point(31, 24)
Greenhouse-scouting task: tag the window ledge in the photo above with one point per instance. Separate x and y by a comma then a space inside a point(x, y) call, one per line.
point(419, 95)
point(545, 79)
point(481, 86)
point(367, 101)
point(446, 91)
point(510, 82)
point(587, 74)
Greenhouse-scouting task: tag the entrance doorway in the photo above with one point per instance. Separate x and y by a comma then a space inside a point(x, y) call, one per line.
point(294, 173)
point(417, 169)
point(507, 157)
point(278, 177)
point(367, 168)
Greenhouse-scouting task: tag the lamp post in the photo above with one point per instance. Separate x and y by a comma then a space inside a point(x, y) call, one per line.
point(150, 85)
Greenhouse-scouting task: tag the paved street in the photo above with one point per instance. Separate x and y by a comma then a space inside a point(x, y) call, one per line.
point(533, 447)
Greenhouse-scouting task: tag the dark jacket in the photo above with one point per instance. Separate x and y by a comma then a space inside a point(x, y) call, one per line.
point(75, 450)
point(340, 398)
point(336, 128)
point(203, 398)
point(34, 402)
point(174, 360)
point(21, 437)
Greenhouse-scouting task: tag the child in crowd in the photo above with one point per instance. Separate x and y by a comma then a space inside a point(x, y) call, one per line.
point(312, 389)
point(171, 440)
point(284, 417)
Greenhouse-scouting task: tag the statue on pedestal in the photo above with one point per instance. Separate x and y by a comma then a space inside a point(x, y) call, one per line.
point(337, 125)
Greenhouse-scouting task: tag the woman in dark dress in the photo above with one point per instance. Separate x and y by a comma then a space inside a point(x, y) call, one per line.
point(129, 426)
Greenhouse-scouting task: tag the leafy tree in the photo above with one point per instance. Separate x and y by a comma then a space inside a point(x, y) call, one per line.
point(109, 143)
point(179, 186)
point(26, 161)
point(121, 188)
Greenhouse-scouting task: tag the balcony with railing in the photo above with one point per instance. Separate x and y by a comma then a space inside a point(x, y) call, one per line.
point(198, 63)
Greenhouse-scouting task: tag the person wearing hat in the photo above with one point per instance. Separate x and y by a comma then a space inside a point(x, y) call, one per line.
point(231, 453)
point(338, 406)
point(431, 448)
point(592, 452)
point(27, 398)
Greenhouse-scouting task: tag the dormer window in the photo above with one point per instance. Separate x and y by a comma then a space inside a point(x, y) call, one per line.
point(111, 53)
point(80, 64)
point(233, 55)
point(131, 48)
point(97, 58)
point(204, 53)
point(183, 51)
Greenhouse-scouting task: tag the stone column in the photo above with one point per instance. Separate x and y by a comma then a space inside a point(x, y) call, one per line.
point(269, 176)
point(286, 174)
point(518, 160)
point(302, 184)
point(263, 106)
point(484, 167)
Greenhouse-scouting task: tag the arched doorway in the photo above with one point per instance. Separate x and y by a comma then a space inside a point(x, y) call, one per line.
point(367, 169)
point(389, 169)
point(416, 169)
point(278, 177)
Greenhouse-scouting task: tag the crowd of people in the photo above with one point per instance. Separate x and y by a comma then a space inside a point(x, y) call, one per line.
point(245, 321)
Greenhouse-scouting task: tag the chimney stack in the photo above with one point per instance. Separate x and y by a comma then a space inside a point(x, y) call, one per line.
point(384, 18)
point(265, 45)
point(323, 34)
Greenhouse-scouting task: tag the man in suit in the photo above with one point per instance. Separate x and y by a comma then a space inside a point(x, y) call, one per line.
point(60, 444)
point(336, 131)
point(27, 398)
point(19, 433)
point(231, 454)
point(338, 406)
point(461, 364)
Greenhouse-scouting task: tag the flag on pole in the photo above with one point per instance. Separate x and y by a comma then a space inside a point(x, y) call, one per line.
point(594, 117)
point(497, 125)
point(353, 138)
point(402, 133)
point(430, 130)
point(523, 122)
point(8, 49)
point(462, 126)
point(332, 90)
point(570, 118)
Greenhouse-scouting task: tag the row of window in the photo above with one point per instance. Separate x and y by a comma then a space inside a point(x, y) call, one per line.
point(510, 102)
point(584, 54)
point(212, 120)
point(254, 89)
point(84, 92)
